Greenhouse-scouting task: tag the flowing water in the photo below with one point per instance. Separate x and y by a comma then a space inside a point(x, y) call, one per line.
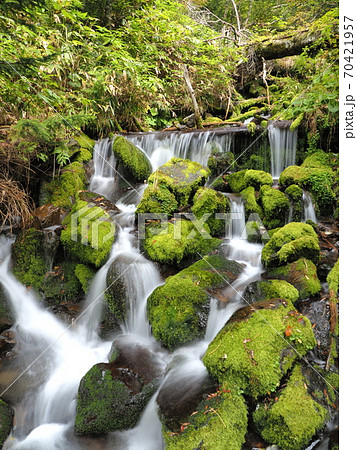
point(308, 207)
point(283, 143)
point(63, 354)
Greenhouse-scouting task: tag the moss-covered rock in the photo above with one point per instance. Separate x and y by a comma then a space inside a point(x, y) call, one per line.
point(259, 345)
point(89, 229)
point(250, 202)
point(208, 201)
point(178, 242)
point(315, 176)
point(290, 243)
point(85, 274)
point(84, 141)
point(266, 289)
point(182, 177)
point(157, 199)
point(178, 310)
point(333, 278)
point(292, 419)
point(294, 193)
point(301, 274)
point(244, 178)
point(275, 206)
point(219, 162)
point(220, 184)
point(110, 398)
point(132, 159)
point(61, 284)
point(61, 191)
point(236, 181)
point(6, 418)
point(218, 423)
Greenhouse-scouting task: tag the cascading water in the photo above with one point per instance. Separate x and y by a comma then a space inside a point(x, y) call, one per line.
point(70, 352)
point(283, 143)
point(103, 178)
point(196, 146)
point(309, 210)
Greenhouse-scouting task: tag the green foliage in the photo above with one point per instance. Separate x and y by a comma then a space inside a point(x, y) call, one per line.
point(283, 421)
point(255, 352)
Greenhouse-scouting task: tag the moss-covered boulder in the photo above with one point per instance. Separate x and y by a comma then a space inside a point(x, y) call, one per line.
point(301, 274)
point(259, 345)
point(292, 242)
point(266, 289)
point(244, 178)
point(89, 229)
point(182, 177)
point(219, 162)
point(218, 423)
point(62, 284)
point(317, 177)
point(6, 418)
point(157, 199)
point(84, 274)
point(292, 419)
point(178, 242)
point(178, 310)
point(61, 191)
point(250, 202)
point(333, 278)
point(275, 206)
point(208, 201)
point(294, 193)
point(134, 161)
point(256, 232)
point(110, 398)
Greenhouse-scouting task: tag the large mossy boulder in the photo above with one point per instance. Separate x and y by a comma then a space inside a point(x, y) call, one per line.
point(111, 398)
point(182, 177)
point(258, 345)
point(6, 419)
point(177, 242)
point(157, 199)
point(294, 193)
point(266, 289)
point(275, 206)
point(301, 274)
point(178, 310)
point(208, 201)
point(241, 180)
point(291, 419)
point(316, 176)
point(61, 191)
point(250, 202)
point(218, 423)
point(290, 243)
point(132, 160)
point(218, 162)
point(89, 229)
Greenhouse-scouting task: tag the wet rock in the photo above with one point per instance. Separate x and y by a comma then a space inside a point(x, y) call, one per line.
point(49, 215)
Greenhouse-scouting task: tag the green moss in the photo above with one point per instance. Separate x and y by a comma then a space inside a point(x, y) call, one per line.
point(89, 233)
point(275, 206)
point(294, 192)
point(256, 178)
point(219, 162)
point(182, 177)
point(29, 259)
point(301, 274)
point(220, 184)
point(208, 201)
point(277, 289)
point(250, 203)
point(291, 242)
point(284, 422)
point(62, 190)
point(178, 242)
point(6, 418)
point(104, 402)
point(255, 352)
point(132, 159)
point(220, 423)
point(333, 278)
point(84, 155)
point(61, 284)
point(85, 275)
point(256, 232)
point(85, 142)
point(178, 310)
point(158, 200)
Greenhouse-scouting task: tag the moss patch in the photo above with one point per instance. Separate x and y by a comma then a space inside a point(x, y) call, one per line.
point(267, 289)
point(158, 200)
point(220, 423)
point(284, 421)
point(85, 275)
point(275, 206)
point(244, 178)
point(219, 162)
point(333, 278)
point(132, 159)
point(6, 418)
point(255, 349)
point(250, 203)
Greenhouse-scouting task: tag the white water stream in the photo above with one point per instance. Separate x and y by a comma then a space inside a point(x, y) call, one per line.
point(45, 417)
point(283, 143)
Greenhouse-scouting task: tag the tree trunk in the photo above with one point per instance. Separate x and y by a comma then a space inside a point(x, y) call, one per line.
point(198, 117)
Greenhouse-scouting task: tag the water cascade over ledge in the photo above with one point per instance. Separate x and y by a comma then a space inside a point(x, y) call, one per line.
point(283, 143)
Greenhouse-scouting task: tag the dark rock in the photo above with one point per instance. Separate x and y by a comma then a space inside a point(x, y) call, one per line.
point(49, 215)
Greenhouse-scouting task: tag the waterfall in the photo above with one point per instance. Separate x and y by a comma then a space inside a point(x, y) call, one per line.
point(236, 226)
point(103, 178)
point(194, 145)
point(283, 143)
point(309, 210)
